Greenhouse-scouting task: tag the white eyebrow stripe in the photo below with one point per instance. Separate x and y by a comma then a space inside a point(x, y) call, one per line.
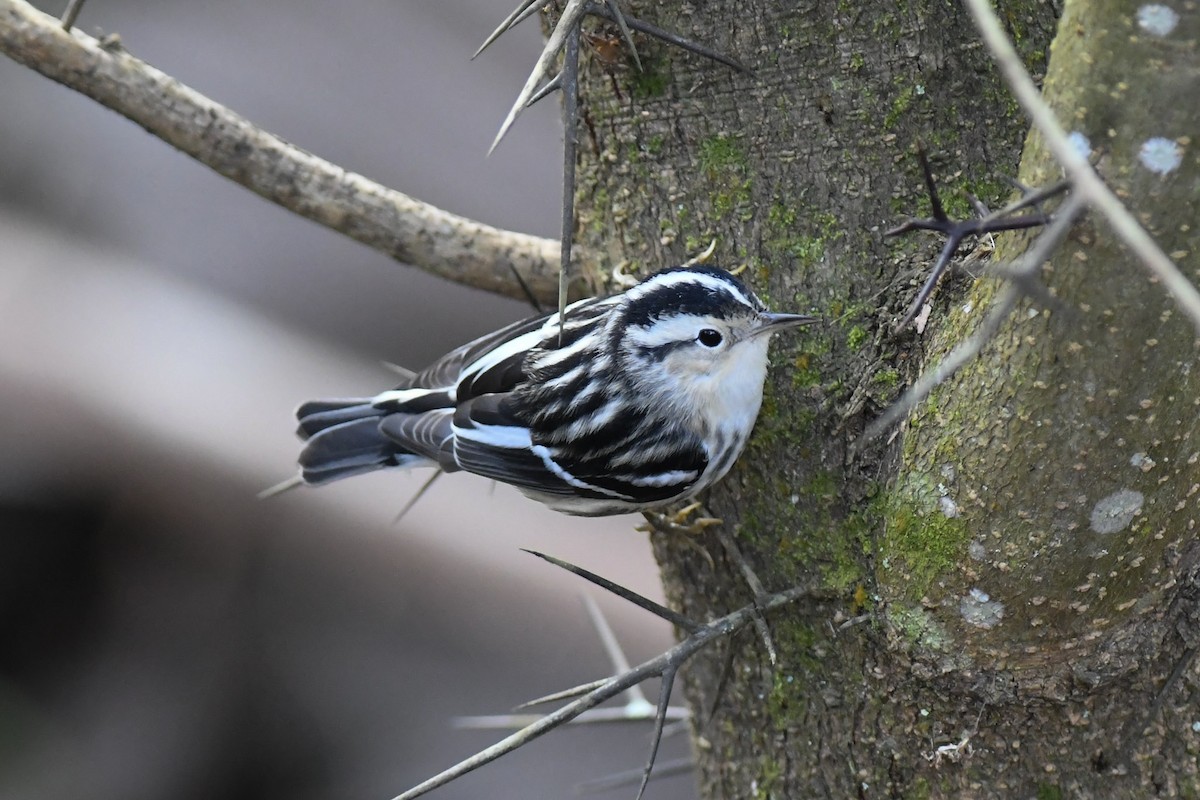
point(676, 328)
point(672, 278)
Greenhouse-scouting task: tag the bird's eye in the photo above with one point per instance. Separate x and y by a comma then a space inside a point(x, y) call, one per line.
point(709, 338)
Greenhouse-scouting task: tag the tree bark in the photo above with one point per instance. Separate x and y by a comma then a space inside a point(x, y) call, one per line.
point(1016, 569)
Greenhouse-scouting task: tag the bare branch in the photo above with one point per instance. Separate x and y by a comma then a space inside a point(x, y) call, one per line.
point(407, 229)
point(660, 665)
point(1084, 179)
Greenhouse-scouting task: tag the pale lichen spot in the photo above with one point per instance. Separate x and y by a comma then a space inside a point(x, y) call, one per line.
point(948, 506)
point(1080, 144)
point(1142, 461)
point(977, 551)
point(1160, 155)
point(979, 609)
point(1114, 512)
point(1157, 19)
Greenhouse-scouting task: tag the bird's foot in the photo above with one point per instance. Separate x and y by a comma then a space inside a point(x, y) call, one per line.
point(676, 523)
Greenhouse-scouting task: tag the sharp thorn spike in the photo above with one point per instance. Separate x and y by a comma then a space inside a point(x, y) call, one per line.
point(612, 647)
point(664, 699)
point(569, 21)
point(935, 202)
point(552, 85)
point(512, 19)
point(626, 34)
point(529, 295)
point(403, 372)
point(569, 78)
point(565, 694)
point(674, 39)
point(281, 487)
point(674, 617)
point(420, 493)
point(939, 267)
point(678, 766)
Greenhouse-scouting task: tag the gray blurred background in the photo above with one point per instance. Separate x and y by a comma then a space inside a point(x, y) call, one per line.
point(162, 633)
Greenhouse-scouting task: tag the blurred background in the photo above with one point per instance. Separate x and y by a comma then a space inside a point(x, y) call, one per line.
point(162, 632)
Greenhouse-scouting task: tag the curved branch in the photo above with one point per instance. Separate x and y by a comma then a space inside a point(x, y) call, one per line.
point(407, 229)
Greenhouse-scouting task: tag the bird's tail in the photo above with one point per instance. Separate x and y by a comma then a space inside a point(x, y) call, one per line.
point(342, 438)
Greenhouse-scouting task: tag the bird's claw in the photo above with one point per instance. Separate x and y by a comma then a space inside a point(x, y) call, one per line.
point(674, 523)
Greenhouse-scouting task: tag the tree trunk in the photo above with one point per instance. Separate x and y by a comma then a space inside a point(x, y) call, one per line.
point(1014, 573)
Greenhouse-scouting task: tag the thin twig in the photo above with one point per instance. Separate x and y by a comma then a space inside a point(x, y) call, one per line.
point(654, 667)
point(1084, 179)
point(407, 229)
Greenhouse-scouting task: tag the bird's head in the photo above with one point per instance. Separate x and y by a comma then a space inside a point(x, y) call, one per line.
point(696, 337)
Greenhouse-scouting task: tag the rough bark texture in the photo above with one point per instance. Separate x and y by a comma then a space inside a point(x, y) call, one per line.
point(1015, 569)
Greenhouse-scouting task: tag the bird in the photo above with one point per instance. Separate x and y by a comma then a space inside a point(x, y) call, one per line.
point(622, 404)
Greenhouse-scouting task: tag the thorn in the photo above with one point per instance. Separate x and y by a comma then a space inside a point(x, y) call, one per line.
point(935, 202)
point(635, 700)
point(552, 85)
point(663, 665)
point(567, 23)
point(529, 295)
point(404, 372)
point(520, 15)
point(420, 493)
point(674, 617)
point(756, 588)
point(673, 39)
point(281, 487)
point(569, 77)
point(565, 694)
point(626, 34)
point(71, 14)
point(679, 766)
point(664, 701)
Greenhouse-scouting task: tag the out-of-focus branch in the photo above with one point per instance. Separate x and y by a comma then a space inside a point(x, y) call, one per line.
point(1084, 180)
point(407, 229)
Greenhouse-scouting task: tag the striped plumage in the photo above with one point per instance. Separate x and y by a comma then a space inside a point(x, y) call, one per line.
point(648, 399)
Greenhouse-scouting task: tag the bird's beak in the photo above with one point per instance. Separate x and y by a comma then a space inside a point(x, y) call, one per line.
point(773, 323)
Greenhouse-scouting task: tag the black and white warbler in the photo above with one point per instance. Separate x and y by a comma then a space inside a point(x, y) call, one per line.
point(648, 398)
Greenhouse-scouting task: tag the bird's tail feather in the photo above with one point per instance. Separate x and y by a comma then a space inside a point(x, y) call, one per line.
point(342, 438)
point(339, 450)
point(317, 415)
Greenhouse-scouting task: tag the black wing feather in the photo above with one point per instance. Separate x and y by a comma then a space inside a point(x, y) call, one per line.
point(429, 434)
point(515, 465)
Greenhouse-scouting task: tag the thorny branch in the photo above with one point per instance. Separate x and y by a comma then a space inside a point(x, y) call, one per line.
point(665, 665)
point(1087, 191)
point(403, 227)
point(1084, 180)
point(1003, 306)
point(542, 82)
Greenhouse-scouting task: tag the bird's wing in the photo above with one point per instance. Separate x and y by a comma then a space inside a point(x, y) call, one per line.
point(494, 364)
point(444, 373)
point(490, 440)
point(428, 434)
point(646, 462)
